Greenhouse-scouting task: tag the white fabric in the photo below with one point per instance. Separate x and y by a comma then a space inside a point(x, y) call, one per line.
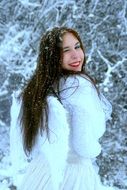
point(79, 175)
point(107, 107)
point(19, 160)
point(57, 144)
point(58, 141)
point(87, 115)
point(65, 163)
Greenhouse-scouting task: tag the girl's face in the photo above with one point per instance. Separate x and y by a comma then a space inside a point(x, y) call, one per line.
point(73, 55)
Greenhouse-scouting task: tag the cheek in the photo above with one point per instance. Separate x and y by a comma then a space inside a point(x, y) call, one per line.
point(82, 55)
point(65, 59)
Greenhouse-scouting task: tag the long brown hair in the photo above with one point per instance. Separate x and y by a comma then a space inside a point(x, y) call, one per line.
point(48, 72)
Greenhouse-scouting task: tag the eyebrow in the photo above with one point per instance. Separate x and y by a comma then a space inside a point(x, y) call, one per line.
point(68, 46)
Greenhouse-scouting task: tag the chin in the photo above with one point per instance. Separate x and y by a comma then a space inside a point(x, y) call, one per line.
point(77, 69)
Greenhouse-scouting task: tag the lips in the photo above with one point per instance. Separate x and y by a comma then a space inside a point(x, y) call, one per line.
point(75, 64)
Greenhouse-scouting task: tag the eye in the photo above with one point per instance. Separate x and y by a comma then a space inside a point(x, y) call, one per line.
point(66, 50)
point(77, 46)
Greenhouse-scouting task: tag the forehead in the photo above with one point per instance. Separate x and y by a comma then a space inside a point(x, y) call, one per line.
point(69, 39)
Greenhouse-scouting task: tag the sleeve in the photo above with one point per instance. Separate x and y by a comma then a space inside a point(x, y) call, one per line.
point(107, 107)
point(87, 118)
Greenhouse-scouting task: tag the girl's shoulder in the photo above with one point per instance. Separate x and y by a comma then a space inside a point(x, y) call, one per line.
point(75, 81)
point(74, 87)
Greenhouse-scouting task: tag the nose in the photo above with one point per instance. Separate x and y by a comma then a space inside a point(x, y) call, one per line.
point(74, 54)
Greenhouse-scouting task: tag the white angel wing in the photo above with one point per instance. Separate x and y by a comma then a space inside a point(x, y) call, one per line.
point(56, 149)
point(19, 160)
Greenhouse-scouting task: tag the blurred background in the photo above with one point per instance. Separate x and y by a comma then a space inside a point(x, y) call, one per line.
point(102, 25)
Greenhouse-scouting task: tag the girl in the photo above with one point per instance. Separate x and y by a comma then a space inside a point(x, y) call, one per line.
point(62, 117)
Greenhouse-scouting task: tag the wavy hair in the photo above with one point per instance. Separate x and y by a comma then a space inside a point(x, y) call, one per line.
point(34, 110)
